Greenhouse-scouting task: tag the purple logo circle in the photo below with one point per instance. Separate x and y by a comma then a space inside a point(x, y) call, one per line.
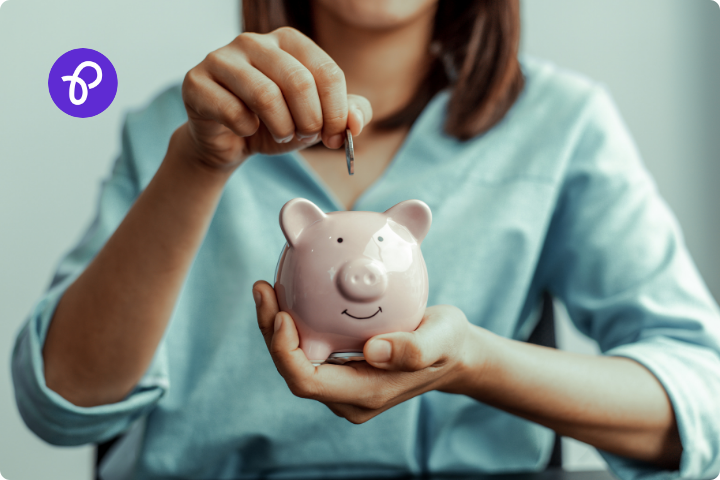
point(82, 82)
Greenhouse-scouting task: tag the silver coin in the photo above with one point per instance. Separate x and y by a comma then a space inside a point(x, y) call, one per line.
point(341, 358)
point(349, 152)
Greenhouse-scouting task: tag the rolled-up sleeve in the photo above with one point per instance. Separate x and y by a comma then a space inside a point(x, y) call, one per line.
point(46, 413)
point(616, 257)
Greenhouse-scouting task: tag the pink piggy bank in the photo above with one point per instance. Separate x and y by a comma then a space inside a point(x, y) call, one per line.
point(347, 276)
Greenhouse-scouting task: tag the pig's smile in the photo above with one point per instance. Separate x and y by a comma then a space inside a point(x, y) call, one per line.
point(361, 318)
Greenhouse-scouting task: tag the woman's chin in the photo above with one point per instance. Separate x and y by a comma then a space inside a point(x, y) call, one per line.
point(377, 14)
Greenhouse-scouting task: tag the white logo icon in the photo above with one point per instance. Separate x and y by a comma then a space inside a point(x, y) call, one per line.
point(74, 78)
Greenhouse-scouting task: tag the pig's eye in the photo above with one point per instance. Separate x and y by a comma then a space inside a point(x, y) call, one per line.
point(380, 239)
point(340, 240)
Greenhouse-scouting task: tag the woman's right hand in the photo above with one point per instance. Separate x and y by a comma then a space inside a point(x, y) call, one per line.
point(239, 99)
point(267, 93)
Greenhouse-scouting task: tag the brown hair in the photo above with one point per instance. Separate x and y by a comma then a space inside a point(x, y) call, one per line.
point(474, 46)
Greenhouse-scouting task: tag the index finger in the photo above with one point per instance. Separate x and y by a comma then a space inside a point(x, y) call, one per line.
point(266, 307)
point(330, 81)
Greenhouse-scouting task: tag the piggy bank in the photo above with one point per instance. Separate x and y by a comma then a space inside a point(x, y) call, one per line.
point(347, 276)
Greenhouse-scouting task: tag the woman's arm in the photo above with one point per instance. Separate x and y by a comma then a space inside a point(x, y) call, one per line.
point(614, 404)
point(110, 320)
point(268, 94)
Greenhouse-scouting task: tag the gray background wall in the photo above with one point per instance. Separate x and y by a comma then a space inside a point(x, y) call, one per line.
point(658, 57)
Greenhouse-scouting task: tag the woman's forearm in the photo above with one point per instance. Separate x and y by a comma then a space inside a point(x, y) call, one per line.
point(109, 322)
point(612, 403)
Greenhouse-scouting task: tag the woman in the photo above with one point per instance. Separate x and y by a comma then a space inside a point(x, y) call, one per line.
point(534, 185)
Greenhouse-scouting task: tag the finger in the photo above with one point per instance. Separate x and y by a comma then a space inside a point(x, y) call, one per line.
point(360, 385)
point(353, 414)
point(297, 85)
point(266, 307)
point(413, 351)
point(261, 95)
point(329, 78)
point(210, 101)
point(289, 359)
point(359, 113)
point(361, 412)
point(356, 384)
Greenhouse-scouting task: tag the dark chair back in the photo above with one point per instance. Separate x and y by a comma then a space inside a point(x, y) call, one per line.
point(100, 451)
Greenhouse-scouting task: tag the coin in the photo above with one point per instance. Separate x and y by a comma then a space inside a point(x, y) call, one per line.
point(349, 152)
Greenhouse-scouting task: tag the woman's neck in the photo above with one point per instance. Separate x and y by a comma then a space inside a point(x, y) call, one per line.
point(385, 66)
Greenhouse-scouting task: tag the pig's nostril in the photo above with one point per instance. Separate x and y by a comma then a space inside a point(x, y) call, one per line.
point(369, 279)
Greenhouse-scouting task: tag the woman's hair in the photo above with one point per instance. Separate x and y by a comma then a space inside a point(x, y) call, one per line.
point(474, 47)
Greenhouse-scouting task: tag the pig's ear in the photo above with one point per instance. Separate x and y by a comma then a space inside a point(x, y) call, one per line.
point(297, 214)
point(413, 215)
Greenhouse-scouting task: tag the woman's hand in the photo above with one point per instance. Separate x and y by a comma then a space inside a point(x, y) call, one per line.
point(398, 366)
point(612, 403)
point(268, 93)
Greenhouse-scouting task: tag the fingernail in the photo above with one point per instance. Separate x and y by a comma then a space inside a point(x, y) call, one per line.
point(278, 322)
point(335, 141)
point(257, 297)
point(283, 140)
point(379, 351)
point(309, 140)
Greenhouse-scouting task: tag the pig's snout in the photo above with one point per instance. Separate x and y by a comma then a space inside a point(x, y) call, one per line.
point(363, 280)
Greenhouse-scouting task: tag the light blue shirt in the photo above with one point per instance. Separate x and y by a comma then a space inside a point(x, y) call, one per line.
point(554, 197)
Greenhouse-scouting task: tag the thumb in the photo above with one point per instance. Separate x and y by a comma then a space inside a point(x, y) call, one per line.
point(359, 113)
point(409, 351)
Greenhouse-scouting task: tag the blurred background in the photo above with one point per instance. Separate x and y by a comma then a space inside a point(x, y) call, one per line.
point(659, 59)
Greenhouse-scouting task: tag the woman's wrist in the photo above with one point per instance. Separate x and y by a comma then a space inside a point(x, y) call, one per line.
point(478, 356)
point(183, 157)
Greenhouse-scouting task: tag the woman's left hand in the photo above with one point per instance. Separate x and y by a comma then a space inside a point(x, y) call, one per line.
point(398, 366)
